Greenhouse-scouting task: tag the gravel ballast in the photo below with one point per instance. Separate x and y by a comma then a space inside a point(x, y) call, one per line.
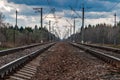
point(65, 62)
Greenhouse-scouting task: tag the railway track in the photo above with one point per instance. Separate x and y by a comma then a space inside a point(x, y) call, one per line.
point(116, 50)
point(9, 55)
point(24, 67)
point(103, 53)
point(107, 50)
point(66, 62)
point(11, 50)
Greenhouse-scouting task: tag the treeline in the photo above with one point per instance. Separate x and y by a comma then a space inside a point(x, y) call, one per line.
point(101, 33)
point(14, 36)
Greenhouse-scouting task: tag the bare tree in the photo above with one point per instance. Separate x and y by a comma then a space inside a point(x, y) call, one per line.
point(2, 18)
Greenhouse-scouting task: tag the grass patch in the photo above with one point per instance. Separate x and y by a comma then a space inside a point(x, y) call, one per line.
point(115, 46)
point(112, 45)
point(3, 48)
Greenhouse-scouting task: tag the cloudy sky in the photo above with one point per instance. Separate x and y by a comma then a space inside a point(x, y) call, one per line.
point(96, 11)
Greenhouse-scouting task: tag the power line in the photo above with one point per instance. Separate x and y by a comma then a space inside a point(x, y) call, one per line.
point(47, 14)
point(48, 3)
point(77, 1)
point(108, 9)
point(74, 11)
point(113, 6)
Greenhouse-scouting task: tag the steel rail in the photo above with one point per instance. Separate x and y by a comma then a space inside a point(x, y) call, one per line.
point(103, 47)
point(105, 57)
point(11, 50)
point(8, 68)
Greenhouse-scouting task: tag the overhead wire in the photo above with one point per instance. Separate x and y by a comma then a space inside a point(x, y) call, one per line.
point(107, 10)
point(74, 11)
